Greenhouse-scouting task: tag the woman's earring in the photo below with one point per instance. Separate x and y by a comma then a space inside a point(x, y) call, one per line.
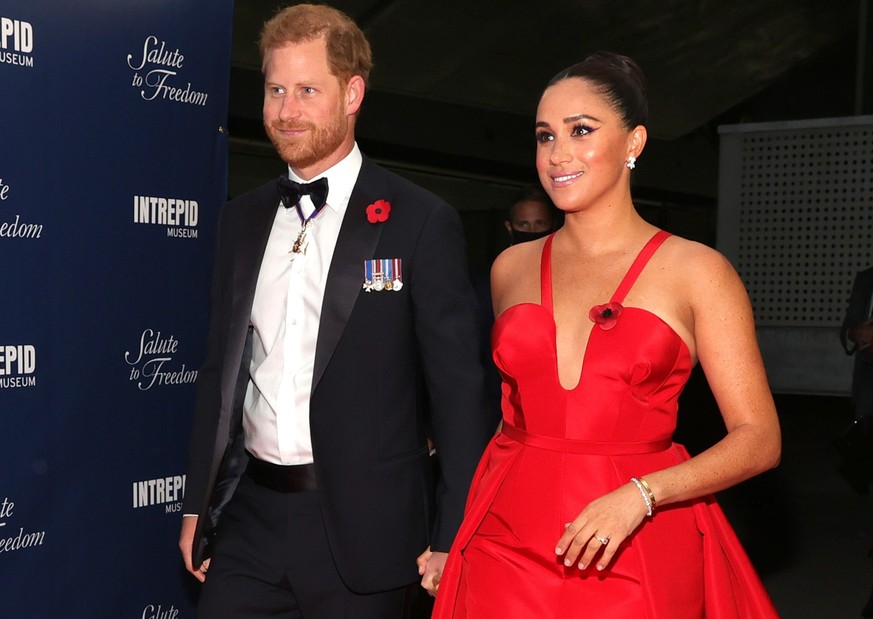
point(631, 162)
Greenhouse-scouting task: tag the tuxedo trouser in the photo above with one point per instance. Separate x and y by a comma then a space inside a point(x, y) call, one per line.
point(272, 559)
point(862, 388)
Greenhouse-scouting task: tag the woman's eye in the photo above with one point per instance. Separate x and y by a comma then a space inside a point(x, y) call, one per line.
point(543, 136)
point(581, 130)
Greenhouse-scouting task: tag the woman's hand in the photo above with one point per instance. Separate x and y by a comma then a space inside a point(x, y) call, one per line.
point(602, 526)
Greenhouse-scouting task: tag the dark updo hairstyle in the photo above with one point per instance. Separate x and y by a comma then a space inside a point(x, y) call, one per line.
point(616, 77)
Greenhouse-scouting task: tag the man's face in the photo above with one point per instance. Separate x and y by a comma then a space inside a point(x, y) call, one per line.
point(531, 216)
point(308, 114)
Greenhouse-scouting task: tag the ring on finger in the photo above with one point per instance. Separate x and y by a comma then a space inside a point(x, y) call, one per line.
point(602, 540)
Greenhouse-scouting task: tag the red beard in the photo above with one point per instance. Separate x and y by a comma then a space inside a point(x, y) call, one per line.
point(308, 149)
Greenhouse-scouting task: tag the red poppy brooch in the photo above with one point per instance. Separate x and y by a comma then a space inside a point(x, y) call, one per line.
point(378, 211)
point(605, 315)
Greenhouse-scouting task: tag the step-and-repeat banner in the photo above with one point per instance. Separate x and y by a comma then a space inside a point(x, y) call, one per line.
point(113, 159)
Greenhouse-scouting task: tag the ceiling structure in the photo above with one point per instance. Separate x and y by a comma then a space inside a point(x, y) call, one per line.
point(456, 82)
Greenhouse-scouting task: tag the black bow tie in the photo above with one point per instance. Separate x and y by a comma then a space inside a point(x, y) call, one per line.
point(290, 192)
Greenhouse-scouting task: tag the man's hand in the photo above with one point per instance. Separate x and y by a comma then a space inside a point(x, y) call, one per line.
point(430, 568)
point(186, 545)
point(862, 334)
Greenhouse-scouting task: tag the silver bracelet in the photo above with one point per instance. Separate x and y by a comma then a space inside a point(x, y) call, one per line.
point(643, 494)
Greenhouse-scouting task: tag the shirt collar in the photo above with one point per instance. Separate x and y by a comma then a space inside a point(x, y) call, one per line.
point(341, 179)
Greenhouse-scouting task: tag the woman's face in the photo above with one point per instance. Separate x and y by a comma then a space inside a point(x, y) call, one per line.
point(582, 146)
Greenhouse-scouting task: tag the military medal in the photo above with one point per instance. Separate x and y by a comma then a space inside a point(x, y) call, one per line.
point(299, 246)
point(398, 275)
point(290, 193)
point(382, 274)
point(378, 276)
point(368, 275)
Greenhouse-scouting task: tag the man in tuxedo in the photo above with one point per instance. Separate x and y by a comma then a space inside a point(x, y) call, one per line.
point(342, 337)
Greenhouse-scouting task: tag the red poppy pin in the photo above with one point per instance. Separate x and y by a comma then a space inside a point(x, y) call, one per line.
point(605, 315)
point(378, 211)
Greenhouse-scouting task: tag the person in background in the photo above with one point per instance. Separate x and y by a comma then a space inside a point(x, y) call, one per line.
point(342, 337)
point(582, 503)
point(855, 445)
point(856, 335)
point(531, 215)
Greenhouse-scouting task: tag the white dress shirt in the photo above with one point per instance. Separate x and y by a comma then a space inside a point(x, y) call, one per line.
point(285, 316)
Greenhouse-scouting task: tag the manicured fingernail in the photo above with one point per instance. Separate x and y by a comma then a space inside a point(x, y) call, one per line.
point(567, 562)
point(559, 551)
point(600, 568)
point(581, 566)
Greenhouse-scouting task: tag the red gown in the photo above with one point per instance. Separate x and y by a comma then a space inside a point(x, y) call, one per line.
point(559, 450)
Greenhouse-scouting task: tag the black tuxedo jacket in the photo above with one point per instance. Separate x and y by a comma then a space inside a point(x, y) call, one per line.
point(391, 369)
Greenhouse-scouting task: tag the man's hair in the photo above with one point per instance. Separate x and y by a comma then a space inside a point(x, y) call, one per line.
point(532, 193)
point(348, 51)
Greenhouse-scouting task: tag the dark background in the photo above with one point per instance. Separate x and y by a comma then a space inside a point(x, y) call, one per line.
point(452, 97)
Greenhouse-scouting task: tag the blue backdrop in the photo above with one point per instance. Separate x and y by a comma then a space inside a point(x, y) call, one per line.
point(112, 169)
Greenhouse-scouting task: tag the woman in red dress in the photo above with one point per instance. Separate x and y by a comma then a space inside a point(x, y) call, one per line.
point(582, 505)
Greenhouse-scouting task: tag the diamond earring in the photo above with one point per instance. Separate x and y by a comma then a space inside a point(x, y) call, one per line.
point(631, 162)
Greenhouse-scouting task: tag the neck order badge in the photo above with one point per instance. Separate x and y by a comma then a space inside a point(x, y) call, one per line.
point(290, 193)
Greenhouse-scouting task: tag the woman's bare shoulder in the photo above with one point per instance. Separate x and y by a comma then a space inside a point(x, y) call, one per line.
point(695, 259)
point(705, 278)
point(515, 273)
point(519, 255)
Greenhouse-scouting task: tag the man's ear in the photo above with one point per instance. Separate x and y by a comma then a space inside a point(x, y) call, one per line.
point(354, 94)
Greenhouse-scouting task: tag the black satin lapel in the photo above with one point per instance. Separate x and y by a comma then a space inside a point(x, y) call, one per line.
point(250, 248)
point(356, 242)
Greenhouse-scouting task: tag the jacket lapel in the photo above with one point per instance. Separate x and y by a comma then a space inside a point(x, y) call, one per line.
point(254, 235)
point(356, 242)
point(248, 263)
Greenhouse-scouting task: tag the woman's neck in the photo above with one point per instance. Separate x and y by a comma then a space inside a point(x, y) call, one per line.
point(603, 231)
